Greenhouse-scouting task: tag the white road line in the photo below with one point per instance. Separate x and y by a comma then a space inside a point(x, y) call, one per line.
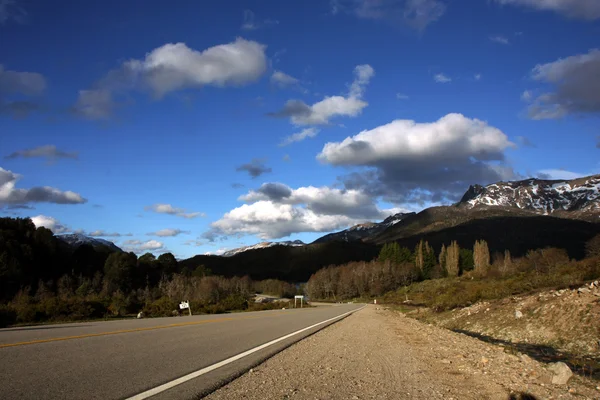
point(200, 372)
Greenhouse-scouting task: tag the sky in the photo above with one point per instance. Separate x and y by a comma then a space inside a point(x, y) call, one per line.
point(195, 127)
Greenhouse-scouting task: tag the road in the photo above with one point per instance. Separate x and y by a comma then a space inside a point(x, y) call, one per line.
point(127, 358)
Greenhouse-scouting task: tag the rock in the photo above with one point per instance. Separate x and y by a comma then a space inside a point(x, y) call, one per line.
point(583, 290)
point(140, 315)
point(446, 361)
point(562, 373)
point(518, 314)
point(175, 313)
point(484, 361)
point(572, 391)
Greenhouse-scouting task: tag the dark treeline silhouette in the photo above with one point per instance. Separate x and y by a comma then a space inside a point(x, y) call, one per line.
point(42, 278)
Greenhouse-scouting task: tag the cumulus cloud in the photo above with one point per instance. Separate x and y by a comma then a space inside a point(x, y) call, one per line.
point(51, 223)
point(409, 162)
point(414, 13)
point(321, 112)
point(138, 246)
point(255, 168)
point(583, 9)
point(251, 24)
point(169, 209)
point(275, 210)
point(168, 232)
point(50, 152)
point(527, 96)
point(499, 39)
point(300, 136)
point(173, 67)
point(283, 80)
point(576, 87)
point(9, 194)
point(442, 78)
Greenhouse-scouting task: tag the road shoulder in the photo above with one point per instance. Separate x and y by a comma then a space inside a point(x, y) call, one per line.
point(380, 354)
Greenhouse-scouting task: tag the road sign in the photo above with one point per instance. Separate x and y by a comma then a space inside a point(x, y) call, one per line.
point(301, 300)
point(183, 305)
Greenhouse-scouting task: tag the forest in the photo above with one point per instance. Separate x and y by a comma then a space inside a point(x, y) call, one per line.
point(44, 279)
point(452, 276)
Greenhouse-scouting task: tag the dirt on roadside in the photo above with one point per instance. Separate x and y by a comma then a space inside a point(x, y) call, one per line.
point(381, 354)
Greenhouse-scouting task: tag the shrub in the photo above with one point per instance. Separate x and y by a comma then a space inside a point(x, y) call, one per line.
point(8, 316)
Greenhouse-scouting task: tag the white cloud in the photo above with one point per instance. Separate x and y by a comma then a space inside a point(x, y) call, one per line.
point(300, 136)
point(49, 152)
point(362, 76)
point(276, 211)
point(24, 83)
point(584, 9)
point(168, 232)
point(283, 80)
point(173, 67)
point(401, 96)
point(441, 78)
point(269, 220)
point(138, 246)
point(499, 39)
point(9, 194)
point(169, 209)
point(576, 87)
point(477, 77)
point(218, 252)
point(414, 13)
point(51, 223)
point(334, 106)
point(195, 243)
point(418, 162)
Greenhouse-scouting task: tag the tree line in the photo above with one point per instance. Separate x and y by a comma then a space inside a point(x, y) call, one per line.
point(398, 266)
point(44, 279)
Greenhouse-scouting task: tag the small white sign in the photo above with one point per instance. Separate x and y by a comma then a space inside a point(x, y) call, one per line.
point(298, 297)
point(183, 305)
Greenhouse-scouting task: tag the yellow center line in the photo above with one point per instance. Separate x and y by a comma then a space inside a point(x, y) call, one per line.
point(151, 328)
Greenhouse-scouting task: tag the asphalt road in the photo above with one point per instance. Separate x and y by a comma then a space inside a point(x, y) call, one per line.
point(122, 359)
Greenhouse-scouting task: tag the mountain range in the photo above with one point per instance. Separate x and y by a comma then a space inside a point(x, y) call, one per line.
point(516, 216)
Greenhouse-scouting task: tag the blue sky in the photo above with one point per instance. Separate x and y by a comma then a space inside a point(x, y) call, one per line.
point(210, 125)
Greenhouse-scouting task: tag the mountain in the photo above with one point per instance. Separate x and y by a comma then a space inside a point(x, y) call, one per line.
point(577, 199)
point(263, 245)
point(77, 239)
point(578, 196)
point(363, 231)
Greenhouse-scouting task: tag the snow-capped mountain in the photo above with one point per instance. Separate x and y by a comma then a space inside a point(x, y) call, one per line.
point(77, 239)
point(361, 231)
point(262, 245)
point(545, 197)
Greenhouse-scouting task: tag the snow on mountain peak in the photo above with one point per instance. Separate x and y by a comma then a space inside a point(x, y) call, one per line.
point(541, 196)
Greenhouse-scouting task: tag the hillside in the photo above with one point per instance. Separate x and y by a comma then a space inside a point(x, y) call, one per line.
point(77, 240)
point(363, 231)
point(294, 264)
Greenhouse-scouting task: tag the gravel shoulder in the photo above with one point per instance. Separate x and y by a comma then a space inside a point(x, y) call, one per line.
point(381, 354)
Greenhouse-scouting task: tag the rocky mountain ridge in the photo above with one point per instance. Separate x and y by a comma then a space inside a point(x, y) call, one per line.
point(77, 239)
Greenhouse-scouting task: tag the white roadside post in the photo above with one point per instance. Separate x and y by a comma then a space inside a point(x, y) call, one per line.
point(296, 298)
point(185, 304)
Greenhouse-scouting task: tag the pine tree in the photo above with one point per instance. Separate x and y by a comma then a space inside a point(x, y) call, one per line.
point(442, 258)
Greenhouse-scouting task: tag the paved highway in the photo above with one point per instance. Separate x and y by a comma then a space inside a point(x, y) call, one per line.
point(161, 358)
